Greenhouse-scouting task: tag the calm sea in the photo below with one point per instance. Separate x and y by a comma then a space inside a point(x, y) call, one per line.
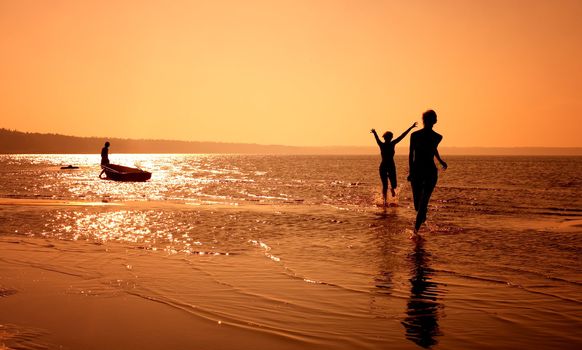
point(297, 246)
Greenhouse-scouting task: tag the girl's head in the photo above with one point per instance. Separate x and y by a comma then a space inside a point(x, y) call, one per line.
point(429, 118)
point(387, 136)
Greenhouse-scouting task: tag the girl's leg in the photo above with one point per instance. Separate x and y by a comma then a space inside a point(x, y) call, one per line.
point(393, 184)
point(384, 178)
point(426, 190)
point(416, 185)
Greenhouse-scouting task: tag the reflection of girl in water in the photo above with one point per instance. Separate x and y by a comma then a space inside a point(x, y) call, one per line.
point(422, 314)
point(423, 172)
point(387, 167)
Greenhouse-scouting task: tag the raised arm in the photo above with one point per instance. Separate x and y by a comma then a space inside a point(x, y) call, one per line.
point(399, 138)
point(380, 143)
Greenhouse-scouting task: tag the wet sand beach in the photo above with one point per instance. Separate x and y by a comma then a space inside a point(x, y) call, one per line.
point(91, 294)
point(45, 307)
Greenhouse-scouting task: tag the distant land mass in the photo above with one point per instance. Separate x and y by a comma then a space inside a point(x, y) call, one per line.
point(17, 142)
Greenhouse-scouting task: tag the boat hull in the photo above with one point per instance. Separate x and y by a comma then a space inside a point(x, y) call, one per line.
point(122, 173)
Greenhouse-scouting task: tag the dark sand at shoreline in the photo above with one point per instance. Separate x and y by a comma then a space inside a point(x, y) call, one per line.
point(50, 306)
point(38, 311)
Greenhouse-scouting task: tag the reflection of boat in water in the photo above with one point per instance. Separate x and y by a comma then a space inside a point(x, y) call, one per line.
point(69, 167)
point(122, 173)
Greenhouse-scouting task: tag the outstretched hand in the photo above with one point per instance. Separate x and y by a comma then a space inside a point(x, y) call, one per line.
point(373, 131)
point(414, 125)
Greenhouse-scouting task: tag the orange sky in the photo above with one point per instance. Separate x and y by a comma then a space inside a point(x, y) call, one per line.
point(498, 72)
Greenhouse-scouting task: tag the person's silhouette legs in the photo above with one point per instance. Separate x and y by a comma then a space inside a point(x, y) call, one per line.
point(384, 178)
point(421, 191)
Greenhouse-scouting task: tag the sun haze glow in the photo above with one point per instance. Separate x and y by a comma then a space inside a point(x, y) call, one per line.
point(498, 72)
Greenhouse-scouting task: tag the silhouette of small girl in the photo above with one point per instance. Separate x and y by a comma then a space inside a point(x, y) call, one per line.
point(387, 166)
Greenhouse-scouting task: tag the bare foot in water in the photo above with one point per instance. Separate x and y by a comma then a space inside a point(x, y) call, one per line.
point(393, 192)
point(416, 237)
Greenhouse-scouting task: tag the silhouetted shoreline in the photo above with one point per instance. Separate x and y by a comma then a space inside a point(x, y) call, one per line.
point(17, 142)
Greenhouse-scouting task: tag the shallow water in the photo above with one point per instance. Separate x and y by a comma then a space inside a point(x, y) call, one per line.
point(296, 246)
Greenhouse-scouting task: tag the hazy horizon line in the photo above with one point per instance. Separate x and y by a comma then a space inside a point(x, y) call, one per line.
point(279, 148)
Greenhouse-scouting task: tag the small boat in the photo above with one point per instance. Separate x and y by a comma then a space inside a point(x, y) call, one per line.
point(122, 173)
point(69, 167)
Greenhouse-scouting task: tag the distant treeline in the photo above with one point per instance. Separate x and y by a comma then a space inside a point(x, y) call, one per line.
point(16, 142)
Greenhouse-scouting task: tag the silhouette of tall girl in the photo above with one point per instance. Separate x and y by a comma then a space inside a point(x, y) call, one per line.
point(387, 167)
point(423, 174)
